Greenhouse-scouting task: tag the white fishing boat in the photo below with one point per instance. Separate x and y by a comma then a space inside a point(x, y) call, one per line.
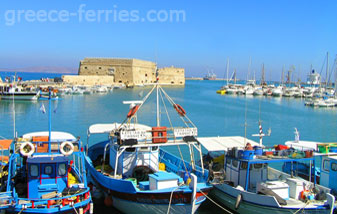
point(135, 171)
point(7, 92)
point(248, 184)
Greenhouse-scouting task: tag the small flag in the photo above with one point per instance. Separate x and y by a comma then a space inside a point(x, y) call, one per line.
point(43, 109)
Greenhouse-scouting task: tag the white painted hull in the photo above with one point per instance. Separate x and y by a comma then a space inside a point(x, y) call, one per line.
point(130, 207)
point(227, 197)
point(19, 97)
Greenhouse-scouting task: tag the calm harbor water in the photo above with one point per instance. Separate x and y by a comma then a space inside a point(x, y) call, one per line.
point(213, 114)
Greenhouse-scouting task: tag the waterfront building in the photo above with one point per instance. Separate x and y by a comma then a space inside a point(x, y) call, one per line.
point(128, 71)
point(171, 75)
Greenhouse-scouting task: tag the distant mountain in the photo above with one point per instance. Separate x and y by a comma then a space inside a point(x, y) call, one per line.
point(43, 69)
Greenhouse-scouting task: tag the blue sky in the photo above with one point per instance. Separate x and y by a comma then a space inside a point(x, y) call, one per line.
point(273, 32)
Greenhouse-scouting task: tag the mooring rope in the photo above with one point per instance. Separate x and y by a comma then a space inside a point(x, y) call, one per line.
point(215, 202)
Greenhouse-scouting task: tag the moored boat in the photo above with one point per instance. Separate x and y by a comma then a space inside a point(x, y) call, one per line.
point(138, 175)
point(250, 185)
point(47, 174)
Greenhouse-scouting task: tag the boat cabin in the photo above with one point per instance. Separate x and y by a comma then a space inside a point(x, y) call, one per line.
point(133, 157)
point(329, 172)
point(46, 175)
point(236, 172)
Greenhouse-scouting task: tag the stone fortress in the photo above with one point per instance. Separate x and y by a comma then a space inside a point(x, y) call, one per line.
point(131, 72)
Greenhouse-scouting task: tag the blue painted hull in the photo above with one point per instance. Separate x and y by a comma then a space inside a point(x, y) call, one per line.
point(129, 199)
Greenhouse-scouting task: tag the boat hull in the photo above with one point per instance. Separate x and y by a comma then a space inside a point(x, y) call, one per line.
point(151, 203)
point(82, 207)
point(30, 96)
point(229, 200)
point(137, 208)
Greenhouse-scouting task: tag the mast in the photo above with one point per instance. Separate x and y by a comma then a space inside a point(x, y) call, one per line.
point(282, 76)
point(157, 89)
point(49, 122)
point(227, 69)
point(158, 121)
point(336, 76)
point(262, 75)
point(250, 63)
point(327, 70)
point(14, 130)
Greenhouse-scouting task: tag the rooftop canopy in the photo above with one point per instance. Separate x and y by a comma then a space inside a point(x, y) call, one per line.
point(216, 144)
point(55, 136)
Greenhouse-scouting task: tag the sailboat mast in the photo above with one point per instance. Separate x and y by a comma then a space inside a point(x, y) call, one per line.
point(282, 77)
point(327, 69)
point(250, 63)
point(262, 75)
point(336, 76)
point(158, 120)
point(227, 69)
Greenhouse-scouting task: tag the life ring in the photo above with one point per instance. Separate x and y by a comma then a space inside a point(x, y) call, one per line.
point(181, 111)
point(27, 149)
point(133, 111)
point(69, 146)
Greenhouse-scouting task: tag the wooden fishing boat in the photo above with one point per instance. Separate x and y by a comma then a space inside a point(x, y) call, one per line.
point(138, 175)
point(248, 183)
point(47, 174)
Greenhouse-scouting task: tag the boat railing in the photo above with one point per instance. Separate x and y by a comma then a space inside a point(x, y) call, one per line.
point(174, 164)
point(57, 201)
point(42, 147)
point(6, 199)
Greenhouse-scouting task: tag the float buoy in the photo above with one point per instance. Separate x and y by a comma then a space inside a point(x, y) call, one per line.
point(108, 201)
point(66, 148)
point(27, 149)
point(133, 111)
point(181, 111)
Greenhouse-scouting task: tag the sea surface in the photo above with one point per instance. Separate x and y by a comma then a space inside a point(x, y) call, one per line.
point(213, 114)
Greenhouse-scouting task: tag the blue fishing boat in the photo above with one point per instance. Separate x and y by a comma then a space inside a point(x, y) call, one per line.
point(137, 174)
point(46, 174)
point(325, 154)
point(251, 183)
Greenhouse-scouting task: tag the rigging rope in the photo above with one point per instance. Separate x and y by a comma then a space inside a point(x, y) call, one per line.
point(169, 206)
point(215, 202)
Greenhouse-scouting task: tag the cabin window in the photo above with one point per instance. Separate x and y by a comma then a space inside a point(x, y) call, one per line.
point(62, 169)
point(235, 163)
point(48, 170)
point(155, 148)
point(130, 149)
point(143, 149)
point(34, 170)
point(326, 165)
point(258, 166)
point(334, 167)
point(244, 165)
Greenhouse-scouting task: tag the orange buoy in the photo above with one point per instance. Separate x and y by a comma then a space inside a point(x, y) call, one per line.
point(181, 111)
point(108, 201)
point(133, 111)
